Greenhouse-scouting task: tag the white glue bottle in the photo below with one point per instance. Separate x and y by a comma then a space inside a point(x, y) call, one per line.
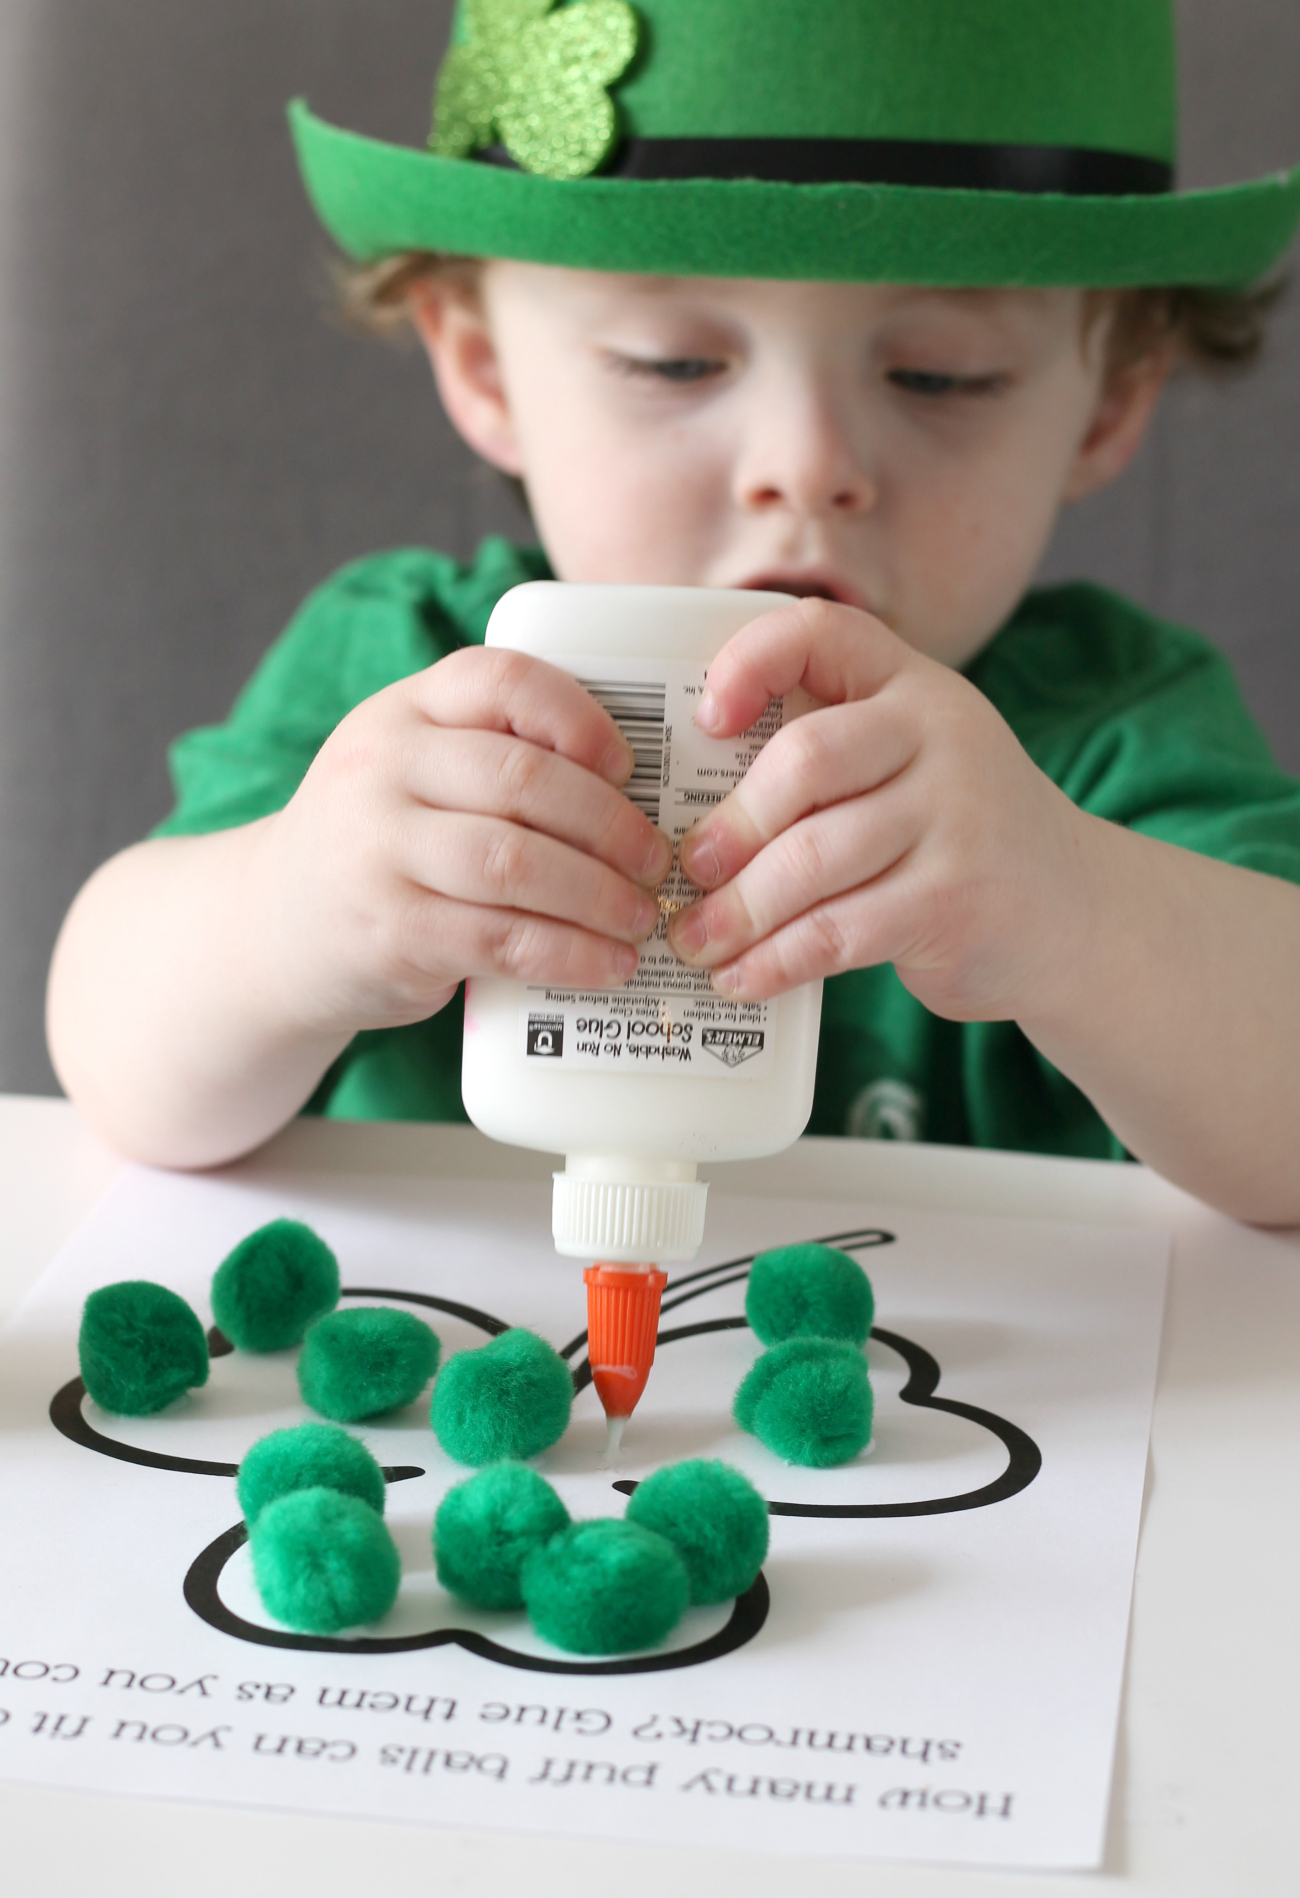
point(637, 1085)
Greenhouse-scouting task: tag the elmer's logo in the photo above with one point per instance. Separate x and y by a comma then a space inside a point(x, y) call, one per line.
point(546, 1037)
point(732, 1045)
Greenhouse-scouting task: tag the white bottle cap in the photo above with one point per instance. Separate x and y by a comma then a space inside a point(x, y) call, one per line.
point(633, 1212)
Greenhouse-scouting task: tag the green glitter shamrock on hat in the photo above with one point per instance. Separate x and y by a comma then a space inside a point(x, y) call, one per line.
point(945, 142)
point(534, 80)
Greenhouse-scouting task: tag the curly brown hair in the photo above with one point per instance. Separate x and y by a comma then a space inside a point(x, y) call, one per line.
point(1216, 332)
point(375, 299)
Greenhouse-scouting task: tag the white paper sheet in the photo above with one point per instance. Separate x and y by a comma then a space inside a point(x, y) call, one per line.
point(937, 1680)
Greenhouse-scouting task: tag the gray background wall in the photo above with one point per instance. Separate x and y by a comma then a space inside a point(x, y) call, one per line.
point(186, 446)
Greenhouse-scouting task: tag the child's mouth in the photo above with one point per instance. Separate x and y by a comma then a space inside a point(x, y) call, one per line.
point(805, 586)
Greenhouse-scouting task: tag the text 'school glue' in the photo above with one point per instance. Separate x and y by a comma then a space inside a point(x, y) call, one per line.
point(637, 1085)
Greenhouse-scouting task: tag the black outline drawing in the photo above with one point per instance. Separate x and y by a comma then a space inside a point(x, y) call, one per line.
point(747, 1617)
point(201, 1590)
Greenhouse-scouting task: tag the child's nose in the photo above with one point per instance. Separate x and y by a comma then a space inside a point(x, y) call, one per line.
point(803, 461)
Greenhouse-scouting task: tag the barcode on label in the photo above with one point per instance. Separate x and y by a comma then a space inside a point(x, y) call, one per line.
point(638, 711)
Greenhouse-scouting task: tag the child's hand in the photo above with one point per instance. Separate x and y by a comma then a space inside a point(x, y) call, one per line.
point(902, 822)
point(465, 821)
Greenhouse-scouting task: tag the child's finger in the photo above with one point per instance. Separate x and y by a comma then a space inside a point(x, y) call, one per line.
point(496, 775)
point(855, 930)
point(819, 760)
point(507, 866)
point(834, 652)
point(503, 691)
point(474, 939)
point(818, 858)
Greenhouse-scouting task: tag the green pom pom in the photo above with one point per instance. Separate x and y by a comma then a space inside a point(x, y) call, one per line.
point(314, 1456)
point(809, 1292)
point(323, 1561)
point(509, 1399)
point(605, 1587)
point(366, 1361)
point(486, 1527)
point(141, 1347)
point(266, 1293)
point(809, 1400)
point(714, 1518)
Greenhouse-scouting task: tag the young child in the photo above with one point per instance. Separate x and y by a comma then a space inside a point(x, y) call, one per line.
point(844, 301)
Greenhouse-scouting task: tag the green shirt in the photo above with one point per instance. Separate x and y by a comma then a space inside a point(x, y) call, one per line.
point(1136, 721)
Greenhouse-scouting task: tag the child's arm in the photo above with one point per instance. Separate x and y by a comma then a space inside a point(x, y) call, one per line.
point(904, 823)
point(465, 821)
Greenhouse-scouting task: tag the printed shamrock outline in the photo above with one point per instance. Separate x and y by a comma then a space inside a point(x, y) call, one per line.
point(201, 1585)
point(534, 77)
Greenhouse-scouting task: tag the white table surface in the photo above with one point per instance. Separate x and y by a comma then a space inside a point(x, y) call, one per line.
point(1207, 1799)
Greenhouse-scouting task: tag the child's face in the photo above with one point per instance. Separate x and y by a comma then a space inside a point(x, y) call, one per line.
point(904, 451)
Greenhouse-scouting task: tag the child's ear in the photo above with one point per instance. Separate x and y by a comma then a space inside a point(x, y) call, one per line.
point(1124, 410)
point(452, 324)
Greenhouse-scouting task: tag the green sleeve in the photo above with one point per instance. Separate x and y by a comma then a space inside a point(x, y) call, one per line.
point(1143, 723)
point(376, 621)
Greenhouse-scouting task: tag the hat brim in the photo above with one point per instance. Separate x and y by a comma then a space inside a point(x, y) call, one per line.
point(376, 199)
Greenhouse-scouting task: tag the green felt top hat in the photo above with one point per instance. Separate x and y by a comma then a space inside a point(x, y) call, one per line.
point(957, 142)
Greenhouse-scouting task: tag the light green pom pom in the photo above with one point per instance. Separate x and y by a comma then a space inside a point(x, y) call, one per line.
point(509, 1399)
point(311, 1456)
point(140, 1347)
point(487, 1527)
point(324, 1561)
point(809, 1400)
point(605, 1587)
point(366, 1361)
point(714, 1518)
point(809, 1291)
point(269, 1289)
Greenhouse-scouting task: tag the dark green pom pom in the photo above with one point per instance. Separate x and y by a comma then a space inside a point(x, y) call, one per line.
point(366, 1361)
point(809, 1400)
point(509, 1399)
point(314, 1456)
point(323, 1561)
point(266, 1293)
point(714, 1518)
point(141, 1347)
point(485, 1529)
point(809, 1292)
point(605, 1587)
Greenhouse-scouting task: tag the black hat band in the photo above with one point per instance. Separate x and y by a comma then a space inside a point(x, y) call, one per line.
point(928, 163)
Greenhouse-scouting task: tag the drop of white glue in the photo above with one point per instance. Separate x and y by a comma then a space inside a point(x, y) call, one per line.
point(614, 1428)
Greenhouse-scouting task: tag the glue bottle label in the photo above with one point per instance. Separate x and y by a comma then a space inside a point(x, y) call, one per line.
point(668, 1019)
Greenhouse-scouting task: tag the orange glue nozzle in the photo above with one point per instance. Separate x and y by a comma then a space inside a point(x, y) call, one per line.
point(622, 1325)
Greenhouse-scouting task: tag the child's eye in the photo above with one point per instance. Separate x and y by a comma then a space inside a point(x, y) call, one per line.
point(671, 368)
point(930, 383)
